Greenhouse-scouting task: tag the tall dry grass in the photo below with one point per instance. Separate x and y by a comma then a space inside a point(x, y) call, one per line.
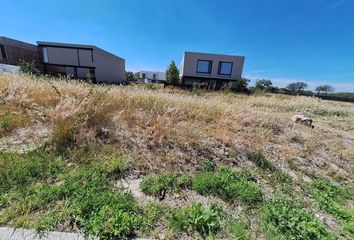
point(175, 129)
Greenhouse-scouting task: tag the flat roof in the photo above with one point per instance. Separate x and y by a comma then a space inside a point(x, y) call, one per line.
point(217, 54)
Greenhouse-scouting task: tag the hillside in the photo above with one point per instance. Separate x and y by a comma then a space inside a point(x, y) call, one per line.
point(116, 161)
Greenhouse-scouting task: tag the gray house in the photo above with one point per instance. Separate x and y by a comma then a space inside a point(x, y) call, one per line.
point(13, 51)
point(211, 70)
point(82, 61)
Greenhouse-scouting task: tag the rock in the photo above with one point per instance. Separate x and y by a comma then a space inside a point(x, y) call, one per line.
point(302, 120)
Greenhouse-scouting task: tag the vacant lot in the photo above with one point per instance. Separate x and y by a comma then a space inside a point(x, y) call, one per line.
point(116, 161)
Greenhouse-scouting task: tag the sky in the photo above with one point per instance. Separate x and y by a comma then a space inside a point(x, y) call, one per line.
point(282, 40)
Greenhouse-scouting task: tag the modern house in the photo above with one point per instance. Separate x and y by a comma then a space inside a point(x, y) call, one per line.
point(82, 61)
point(211, 70)
point(13, 51)
point(151, 77)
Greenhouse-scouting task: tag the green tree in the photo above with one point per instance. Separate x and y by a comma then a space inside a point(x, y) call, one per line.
point(172, 74)
point(241, 85)
point(324, 89)
point(130, 76)
point(264, 84)
point(297, 87)
point(29, 68)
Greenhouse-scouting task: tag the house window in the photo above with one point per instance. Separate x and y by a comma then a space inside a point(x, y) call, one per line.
point(225, 68)
point(154, 76)
point(45, 55)
point(204, 66)
point(143, 75)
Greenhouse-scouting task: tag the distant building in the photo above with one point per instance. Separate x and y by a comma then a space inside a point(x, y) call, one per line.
point(151, 77)
point(13, 51)
point(211, 70)
point(76, 60)
point(82, 61)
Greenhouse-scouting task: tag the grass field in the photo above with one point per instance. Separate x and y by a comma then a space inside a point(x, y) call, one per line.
point(117, 161)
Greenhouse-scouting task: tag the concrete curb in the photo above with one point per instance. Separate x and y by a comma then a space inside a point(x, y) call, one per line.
point(25, 234)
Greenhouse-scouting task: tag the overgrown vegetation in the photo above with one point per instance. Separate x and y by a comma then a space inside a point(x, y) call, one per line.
point(205, 221)
point(285, 218)
point(212, 160)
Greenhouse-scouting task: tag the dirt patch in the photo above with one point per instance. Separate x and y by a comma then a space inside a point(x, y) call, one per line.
point(25, 139)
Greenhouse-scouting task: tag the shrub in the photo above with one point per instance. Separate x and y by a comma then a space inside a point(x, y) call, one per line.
point(112, 222)
point(289, 219)
point(205, 221)
point(157, 185)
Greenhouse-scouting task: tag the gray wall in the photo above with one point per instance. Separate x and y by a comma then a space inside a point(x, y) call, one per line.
point(190, 60)
point(108, 67)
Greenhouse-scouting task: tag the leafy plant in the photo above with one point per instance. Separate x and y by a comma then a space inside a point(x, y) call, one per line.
point(157, 185)
point(288, 218)
point(228, 185)
point(205, 221)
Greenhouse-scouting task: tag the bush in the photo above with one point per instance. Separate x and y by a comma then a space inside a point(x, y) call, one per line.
point(112, 222)
point(290, 220)
point(157, 185)
point(205, 221)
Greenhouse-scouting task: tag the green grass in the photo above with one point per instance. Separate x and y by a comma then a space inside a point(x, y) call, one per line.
point(196, 218)
point(285, 218)
point(331, 197)
point(229, 185)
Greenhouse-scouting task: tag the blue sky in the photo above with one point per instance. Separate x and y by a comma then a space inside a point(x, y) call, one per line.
point(283, 40)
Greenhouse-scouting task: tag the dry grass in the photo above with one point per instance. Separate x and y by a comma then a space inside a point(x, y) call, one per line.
point(166, 129)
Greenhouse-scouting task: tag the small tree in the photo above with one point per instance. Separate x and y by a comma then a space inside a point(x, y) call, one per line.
point(241, 85)
point(29, 68)
point(172, 74)
point(264, 84)
point(296, 87)
point(324, 88)
point(130, 76)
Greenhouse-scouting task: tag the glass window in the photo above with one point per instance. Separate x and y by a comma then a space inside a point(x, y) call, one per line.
point(154, 76)
point(143, 75)
point(204, 66)
point(225, 68)
point(45, 54)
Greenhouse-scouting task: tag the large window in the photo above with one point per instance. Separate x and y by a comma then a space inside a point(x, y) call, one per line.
point(225, 68)
point(45, 54)
point(204, 67)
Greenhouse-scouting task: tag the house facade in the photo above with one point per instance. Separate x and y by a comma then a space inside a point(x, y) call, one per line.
point(211, 70)
point(13, 51)
point(151, 77)
point(82, 61)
